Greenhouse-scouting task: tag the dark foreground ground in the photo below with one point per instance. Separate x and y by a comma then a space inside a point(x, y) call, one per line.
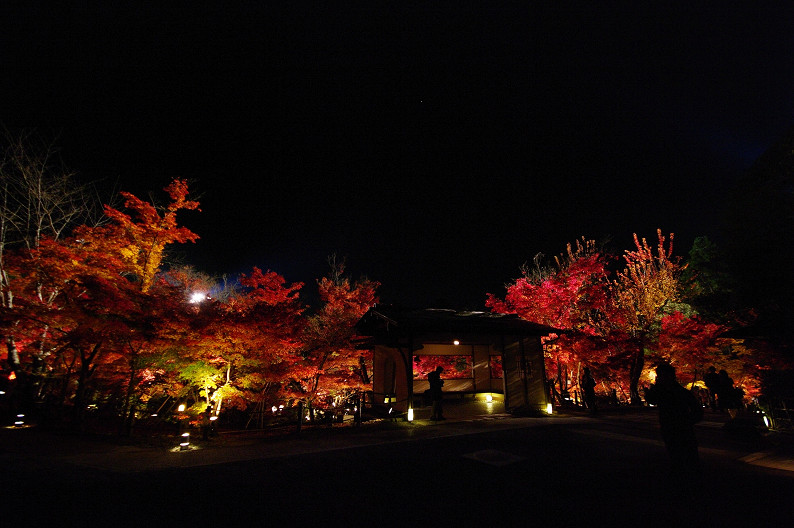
point(478, 470)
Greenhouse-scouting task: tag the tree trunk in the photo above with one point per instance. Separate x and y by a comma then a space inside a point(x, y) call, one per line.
point(37, 368)
point(300, 416)
point(126, 414)
point(86, 370)
point(79, 397)
point(64, 389)
point(13, 353)
point(219, 400)
point(637, 365)
point(358, 411)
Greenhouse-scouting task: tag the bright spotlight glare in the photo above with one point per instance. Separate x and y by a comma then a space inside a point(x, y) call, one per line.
point(197, 297)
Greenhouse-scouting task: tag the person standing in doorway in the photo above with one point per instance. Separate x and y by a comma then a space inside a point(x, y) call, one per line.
point(436, 394)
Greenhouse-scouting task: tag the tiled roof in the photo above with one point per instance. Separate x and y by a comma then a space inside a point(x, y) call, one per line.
point(395, 320)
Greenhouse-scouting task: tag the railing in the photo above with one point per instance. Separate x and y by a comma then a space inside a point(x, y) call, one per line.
point(782, 413)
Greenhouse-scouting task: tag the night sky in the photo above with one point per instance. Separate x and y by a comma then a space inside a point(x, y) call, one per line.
point(437, 149)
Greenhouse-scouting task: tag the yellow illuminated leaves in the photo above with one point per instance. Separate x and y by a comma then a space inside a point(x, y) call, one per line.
point(648, 283)
point(139, 238)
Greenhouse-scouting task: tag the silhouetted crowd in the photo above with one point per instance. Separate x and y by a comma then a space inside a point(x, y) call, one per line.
point(722, 395)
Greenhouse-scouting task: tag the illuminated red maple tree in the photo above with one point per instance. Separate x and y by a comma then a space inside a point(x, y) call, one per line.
point(239, 348)
point(140, 237)
point(572, 295)
point(645, 290)
point(89, 291)
point(333, 367)
point(612, 325)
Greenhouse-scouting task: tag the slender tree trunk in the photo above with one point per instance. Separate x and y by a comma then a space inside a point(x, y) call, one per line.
point(300, 416)
point(363, 365)
point(79, 396)
point(220, 395)
point(13, 352)
point(357, 413)
point(86, 370)
point(126, 416)
point(637, 365)
point(64, 388)
point(7, 297)
point(41, 353)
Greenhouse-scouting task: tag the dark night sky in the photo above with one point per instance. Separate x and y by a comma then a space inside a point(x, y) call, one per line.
point(438, 149)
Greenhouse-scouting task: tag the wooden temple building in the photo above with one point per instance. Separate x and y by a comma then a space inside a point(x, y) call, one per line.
point(481, 353)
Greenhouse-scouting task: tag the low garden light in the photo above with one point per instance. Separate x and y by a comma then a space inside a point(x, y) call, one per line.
point(20, 421)
point(185, 443)
point(411, 414)
point(549, 408)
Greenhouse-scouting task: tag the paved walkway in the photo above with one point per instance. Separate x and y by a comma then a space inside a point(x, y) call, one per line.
point(32, 446)
point(29, 445)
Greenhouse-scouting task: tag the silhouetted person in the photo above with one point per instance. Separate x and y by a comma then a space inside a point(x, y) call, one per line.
point(712, 381)
point(679, 411)
point(555, 396)
point(588, 386)
point(728, 395)
point(436, 394)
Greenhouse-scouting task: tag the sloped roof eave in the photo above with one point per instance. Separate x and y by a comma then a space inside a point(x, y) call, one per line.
point(419, 322)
